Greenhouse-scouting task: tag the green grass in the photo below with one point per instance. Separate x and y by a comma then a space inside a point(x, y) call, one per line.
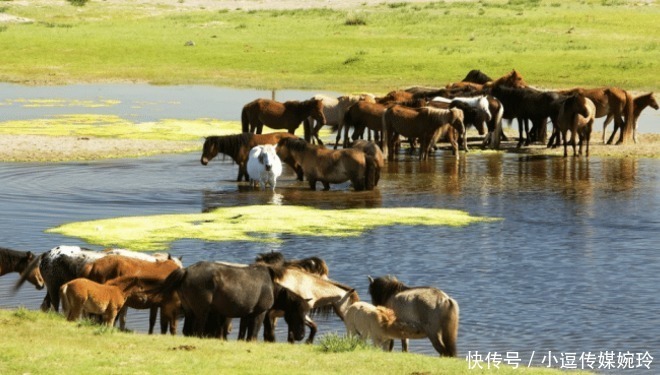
point(253, 223)
point(39, 343)
point(554, 43)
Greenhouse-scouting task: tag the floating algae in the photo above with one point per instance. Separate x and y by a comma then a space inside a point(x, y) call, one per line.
point(254, 223)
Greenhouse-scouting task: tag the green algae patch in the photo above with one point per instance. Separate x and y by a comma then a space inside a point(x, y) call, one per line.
point(60, 103)
point(110, 126)
point(265, 223)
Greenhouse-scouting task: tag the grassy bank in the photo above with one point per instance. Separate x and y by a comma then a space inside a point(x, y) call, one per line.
point(38, 343)
point(554, 43)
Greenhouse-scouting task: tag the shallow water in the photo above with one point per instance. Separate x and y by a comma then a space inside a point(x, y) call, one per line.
point(572, 268)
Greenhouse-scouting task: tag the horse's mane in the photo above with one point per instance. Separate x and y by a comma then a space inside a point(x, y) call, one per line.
point(382, 288)
point(295, 144)
point(273, 257)
point(230, 144)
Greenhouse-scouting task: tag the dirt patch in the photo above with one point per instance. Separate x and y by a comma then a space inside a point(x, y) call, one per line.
point(35, 148)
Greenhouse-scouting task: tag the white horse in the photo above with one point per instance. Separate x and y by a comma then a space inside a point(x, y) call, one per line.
point(264, 166)
point(378, 323)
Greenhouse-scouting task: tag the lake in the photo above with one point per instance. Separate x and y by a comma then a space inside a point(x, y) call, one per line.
point(571, 269)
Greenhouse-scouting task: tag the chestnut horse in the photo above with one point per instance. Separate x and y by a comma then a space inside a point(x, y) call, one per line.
point(151, 274)
point(276, 115)
point(426, 123)
point(330, 166)
point(82, 295)
point(639, 104)
point(577, 114)
point(17, 261)
point(238, 147)
point(360, 115)
point(433, 310)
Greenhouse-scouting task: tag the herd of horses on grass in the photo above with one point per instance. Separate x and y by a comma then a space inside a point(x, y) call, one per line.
point(423, 116)
point(102, 285)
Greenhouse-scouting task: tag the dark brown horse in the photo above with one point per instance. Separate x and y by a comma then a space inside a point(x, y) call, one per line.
point(330, 166)
point(238, 147)
point(430, 309)
point(288, 115)
point(477, 76)
point(360, 116)
point(17, 261)
point(426, 123)
point(215, 291)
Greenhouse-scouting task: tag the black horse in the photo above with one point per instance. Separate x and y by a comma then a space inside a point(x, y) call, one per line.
point(211, 293)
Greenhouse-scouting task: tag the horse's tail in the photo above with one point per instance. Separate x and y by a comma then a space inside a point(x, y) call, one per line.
point(370, 173)
point(385, 136)
point(245, 120)
point(171, 283)
point(26, 273)
point(449, 326)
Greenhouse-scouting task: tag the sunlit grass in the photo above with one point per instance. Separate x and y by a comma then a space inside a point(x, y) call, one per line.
point(554, 43)
point(254, 223)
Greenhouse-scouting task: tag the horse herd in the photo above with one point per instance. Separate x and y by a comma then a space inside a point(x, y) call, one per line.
point(424, 116)
point(102, 285)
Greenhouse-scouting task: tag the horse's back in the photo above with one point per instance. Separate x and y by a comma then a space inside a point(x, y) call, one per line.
point(419, 304)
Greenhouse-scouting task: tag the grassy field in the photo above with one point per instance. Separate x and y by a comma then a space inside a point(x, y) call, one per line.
point(39, 343)
point(554, 43)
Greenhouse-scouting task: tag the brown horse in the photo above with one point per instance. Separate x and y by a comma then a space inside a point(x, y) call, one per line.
point(613, 102)
point(82, 295)
point(313, 265)
point(639, 104)
point(151, 274)
point(334, 110)
point(395, 96)
point(511, 79)
point(238, 147)
point(360, 115)
point(17, 261)
point(433, 310)
point(426, 123)
point(276, 115)
point(577, 114)
point(379, 323)
point(330, 166)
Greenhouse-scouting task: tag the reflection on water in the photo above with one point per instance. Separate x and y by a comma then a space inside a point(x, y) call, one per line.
point(572, 267)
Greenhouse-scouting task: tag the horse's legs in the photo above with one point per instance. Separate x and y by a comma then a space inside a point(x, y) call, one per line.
point(312, 183)
point(326, 185)
point(404, 345)
point(338, 135)
point(254, 322)
point(315, 133)
point(608, 119)
point(153, 313)
point(46, 305)
point(618, 125)
point(312, 330)
point(270, 321)
point(121, 314)
point(438, 345)
point(242, 328)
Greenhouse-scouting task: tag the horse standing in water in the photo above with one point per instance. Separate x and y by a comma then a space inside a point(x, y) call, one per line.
point(431, 308)
point(277, 115)
point(18, 261)
point(238, 147)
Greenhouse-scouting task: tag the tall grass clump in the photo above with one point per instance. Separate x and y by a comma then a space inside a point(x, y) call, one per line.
point(335, 343)
point(78, 3)
point(354, 19)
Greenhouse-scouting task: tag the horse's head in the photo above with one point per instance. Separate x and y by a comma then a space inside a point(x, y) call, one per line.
point(34, 274)
point(295, 314)
point(210, 150)
point(652, 103)
point(317, 111)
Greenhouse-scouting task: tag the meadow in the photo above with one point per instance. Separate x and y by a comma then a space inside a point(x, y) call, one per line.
point(554, 44)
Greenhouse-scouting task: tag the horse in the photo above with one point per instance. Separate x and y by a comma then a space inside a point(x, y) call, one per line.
point(476, 110)
point(526, 103)
point(322, 295)
point(330, 166)
point(17, 261)
point(277, 115)
point(155, 257)
point(511, 79)
point(395, 96)
point(435, 312)
point(58, 266)
point(334, 110)
point(360, 115)
point(639, 104)
point(577, 114)
point(477, 76)
point(614, 103)
point(82, 295)
point(238, 147)
point(379, 323)
point(372, 149)
point(426, 123)
point(212, 292)
point(151, 273)
point(313, 264)
point(264, 166)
